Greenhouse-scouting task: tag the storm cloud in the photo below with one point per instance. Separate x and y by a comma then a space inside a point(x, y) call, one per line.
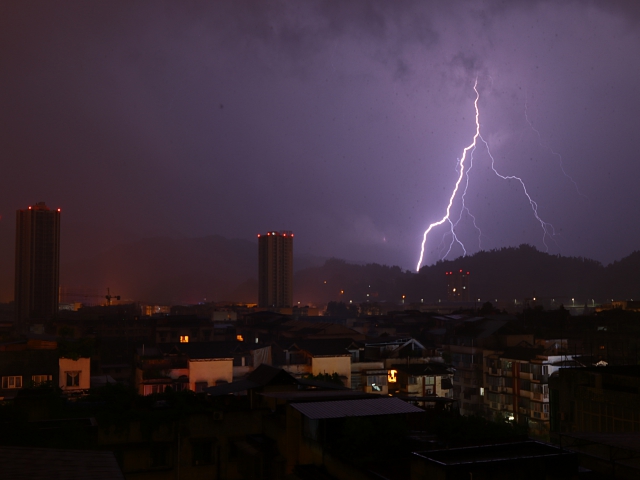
point(341, 121)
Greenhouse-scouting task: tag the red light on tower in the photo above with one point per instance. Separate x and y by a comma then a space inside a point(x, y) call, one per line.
point(58, 210)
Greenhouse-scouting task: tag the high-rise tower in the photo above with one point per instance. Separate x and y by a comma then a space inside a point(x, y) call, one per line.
point(37, 265)
point(275, 269)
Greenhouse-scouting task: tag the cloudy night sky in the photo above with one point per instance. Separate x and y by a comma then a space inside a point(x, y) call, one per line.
point(341, 121)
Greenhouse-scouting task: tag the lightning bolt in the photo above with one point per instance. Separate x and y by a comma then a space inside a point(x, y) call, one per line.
point(543, 145)
point(547, 229)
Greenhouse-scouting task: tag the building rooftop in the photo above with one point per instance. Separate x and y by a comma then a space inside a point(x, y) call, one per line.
point(417, 369)
point(329, 347)
point(319, 395)
point(202, 350)
point(492, 453)
point(355, 408)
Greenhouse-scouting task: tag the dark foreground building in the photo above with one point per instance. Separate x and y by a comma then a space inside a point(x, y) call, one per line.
point(523, 460)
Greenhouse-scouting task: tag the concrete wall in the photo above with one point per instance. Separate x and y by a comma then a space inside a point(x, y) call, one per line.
point(82, 365)
point(330, 365)
point(210, 371)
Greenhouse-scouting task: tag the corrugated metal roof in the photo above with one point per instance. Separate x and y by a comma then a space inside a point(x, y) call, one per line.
point(355, 408)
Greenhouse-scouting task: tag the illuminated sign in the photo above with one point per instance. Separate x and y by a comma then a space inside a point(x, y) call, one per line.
point(392, 376)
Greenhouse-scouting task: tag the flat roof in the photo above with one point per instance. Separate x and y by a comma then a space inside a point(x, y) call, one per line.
point(355, 408)
point(492, 453)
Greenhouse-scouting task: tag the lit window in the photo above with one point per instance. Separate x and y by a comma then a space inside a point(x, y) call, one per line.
point(73, 379)
point(12, 382)
point(40, 379)
point(153, 389)
point(392, 377)
point(184, 338)
point(239, 338)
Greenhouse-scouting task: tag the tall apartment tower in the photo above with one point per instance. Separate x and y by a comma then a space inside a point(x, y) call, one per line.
point(275, 269)
point(458, 286)
point(37, 265)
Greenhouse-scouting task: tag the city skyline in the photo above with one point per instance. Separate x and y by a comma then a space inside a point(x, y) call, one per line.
point(342, 123)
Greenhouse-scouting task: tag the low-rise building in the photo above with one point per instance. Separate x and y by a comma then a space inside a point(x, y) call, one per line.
point(422, 380)
point(516, 386)
point(75, 375)
point(319, 357)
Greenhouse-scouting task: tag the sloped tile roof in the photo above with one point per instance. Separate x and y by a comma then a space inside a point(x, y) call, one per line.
point(265, 374)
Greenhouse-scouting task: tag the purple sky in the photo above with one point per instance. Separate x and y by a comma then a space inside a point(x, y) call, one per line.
point(341, 121)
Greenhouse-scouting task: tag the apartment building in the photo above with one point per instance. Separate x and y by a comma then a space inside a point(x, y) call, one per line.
point(516, 384)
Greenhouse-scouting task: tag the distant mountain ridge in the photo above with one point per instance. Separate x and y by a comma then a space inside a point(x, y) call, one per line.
point(213, 268)
point(507, 274)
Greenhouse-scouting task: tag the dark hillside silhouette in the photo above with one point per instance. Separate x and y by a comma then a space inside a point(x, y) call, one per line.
point(505, 274)
point(169, 270)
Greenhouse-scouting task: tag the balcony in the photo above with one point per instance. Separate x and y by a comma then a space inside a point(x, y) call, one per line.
point(538, 377)
point(541, 415)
